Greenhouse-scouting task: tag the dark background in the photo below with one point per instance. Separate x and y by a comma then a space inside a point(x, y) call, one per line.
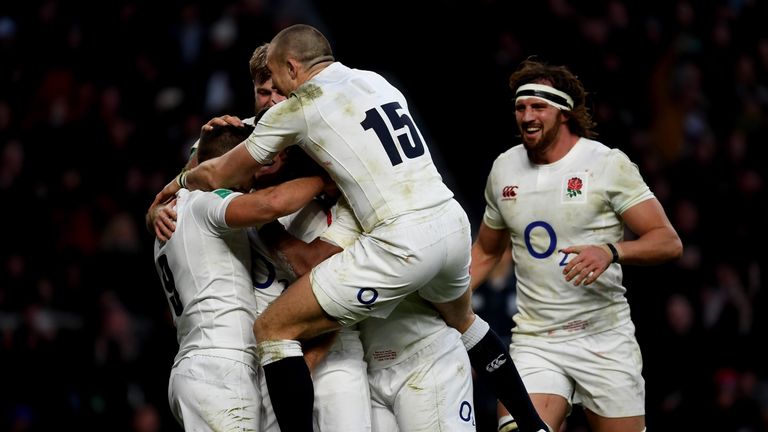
point(100, 101)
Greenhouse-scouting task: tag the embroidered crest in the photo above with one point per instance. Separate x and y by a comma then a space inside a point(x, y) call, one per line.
point(574, 187)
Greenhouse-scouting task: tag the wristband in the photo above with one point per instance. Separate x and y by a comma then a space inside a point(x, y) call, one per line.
point(181, 179)
point(614, 252)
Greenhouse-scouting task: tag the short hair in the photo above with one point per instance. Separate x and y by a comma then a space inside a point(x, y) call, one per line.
point(221, 139)
point(258, 64)
point(534, 71)
point(304, 43)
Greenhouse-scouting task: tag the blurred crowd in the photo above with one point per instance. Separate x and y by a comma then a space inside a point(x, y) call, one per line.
point(100, 101)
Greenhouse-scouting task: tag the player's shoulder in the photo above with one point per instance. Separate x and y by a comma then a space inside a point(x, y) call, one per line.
point(516, 154)
point(597, 150)
point(202, 199)
point(367, 81)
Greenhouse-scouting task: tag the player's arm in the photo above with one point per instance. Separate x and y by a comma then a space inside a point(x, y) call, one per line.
point(231, 169)
point(656, 242)
point(300, 256)
point(234, 168)
point(161, 217)
point(295, 253)
point(486, 253)
point(265, 205)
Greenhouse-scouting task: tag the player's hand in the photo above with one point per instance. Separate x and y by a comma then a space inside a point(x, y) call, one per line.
point(330, 188)
point(221, 121)
point(165, 195)
point(316, 349)
point(588, 264)
point(162, 219)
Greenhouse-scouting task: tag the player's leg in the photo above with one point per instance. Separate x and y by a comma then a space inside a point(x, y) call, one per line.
point(369, 278)
point(449, 292)
point(599, 423)
point(342, 397)
point(434, 387)
point(268, 420)
point(552, 408)
point(543, 368)
point(293, 316)
point(491, 361)
point(382, 418)
point(611, 386)
point(214, 393)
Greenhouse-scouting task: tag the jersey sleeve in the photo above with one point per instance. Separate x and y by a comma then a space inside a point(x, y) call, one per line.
point(212, 209)
point(345, 229)
point(629, 187)
point(492, 216)
point(281, 126)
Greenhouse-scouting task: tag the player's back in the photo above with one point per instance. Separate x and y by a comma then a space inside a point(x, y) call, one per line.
point(358, 127)
point(205, 268)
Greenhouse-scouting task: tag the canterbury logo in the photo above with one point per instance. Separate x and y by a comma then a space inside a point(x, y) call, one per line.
point(509, 192)
point(496, 363)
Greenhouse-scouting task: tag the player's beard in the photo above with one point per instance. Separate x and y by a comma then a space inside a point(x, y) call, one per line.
point(538, 148)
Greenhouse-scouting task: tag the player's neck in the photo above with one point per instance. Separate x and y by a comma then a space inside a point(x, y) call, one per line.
point(557, 150)
point(315, 69)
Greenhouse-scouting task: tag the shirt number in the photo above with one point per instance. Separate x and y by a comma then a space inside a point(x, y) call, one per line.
point(403, 127)
point(166, 277)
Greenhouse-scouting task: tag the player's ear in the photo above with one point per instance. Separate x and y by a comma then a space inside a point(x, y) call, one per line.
point(293, 68)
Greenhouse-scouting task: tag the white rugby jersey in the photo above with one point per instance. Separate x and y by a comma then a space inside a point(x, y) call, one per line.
point(547, 208)
point(412, 325)
point(205, 270)
point(358, 127)
point(270, 278)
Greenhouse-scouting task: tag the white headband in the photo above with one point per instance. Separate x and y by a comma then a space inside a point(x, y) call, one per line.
point(548, 94)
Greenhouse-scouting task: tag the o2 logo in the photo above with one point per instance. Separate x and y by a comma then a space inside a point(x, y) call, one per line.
point(367, 296)
point(465, 412)
point(261, 267)
point(550, 247)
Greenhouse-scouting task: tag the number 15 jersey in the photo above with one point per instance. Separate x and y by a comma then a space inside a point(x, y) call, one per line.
point(357, 126)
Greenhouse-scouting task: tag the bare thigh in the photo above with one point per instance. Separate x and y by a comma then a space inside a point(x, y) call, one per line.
point(619, 424)
point(294, 315)
point(551, 408)
point(457, 313)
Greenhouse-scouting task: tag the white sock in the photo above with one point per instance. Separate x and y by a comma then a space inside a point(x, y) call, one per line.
point(507, 424)
point(272, 351)
point(474, 333)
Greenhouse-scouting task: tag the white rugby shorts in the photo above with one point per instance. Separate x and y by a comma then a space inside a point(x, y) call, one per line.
point(429, 391)
point(209, 393)
point(428, 252)
point(602, 372)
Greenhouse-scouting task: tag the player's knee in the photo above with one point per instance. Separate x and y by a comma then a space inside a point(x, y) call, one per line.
point(261, 330)
point(460, 320)
point(456, 314)
point(267, 329)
